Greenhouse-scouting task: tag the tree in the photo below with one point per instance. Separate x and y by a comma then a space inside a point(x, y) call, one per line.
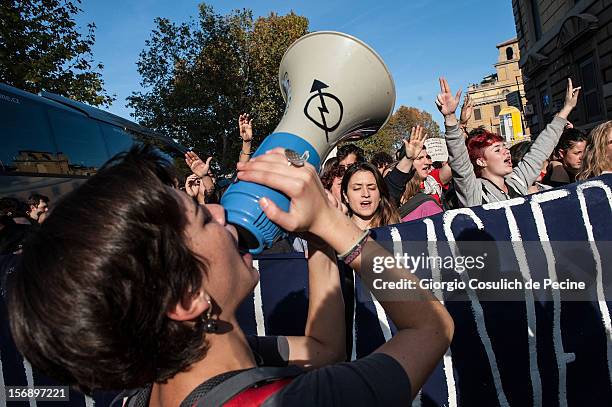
point(389, 138)
point(200, 75)
point(41, 49)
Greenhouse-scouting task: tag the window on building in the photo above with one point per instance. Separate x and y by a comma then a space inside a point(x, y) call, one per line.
point(535, 14)
point(25, 133)
point(544, 99)
point(546, 111)
point(477, 115)
point(509, 53)
point(590, 90)
point(496, 110)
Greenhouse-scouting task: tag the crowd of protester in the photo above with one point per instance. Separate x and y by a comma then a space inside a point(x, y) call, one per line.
point(160, 277)
point(481, 166)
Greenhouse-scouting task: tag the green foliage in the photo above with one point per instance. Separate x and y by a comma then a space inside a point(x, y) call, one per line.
point(41, 49)
point(389, 138)
point(200, 75)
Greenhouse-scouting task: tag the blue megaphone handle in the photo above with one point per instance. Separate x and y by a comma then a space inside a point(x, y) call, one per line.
point(241, 200)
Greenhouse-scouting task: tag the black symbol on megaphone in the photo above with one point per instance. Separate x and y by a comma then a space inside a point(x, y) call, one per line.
point(320, 99)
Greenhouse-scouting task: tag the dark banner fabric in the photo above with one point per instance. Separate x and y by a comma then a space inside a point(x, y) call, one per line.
point(531, 347)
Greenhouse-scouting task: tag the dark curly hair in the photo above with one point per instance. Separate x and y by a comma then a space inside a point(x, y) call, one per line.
point(347, 149)
point(88, 304)
point(335, 170)
point(381, 159)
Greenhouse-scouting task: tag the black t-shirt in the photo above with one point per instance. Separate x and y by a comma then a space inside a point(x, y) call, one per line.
point(375, 380)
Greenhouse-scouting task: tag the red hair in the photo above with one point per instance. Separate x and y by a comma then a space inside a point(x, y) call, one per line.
point(477, 141)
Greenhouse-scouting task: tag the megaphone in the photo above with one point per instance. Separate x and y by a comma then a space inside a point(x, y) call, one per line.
point(335, 87)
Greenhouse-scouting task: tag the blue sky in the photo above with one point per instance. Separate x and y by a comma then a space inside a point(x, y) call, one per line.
point(418, 39)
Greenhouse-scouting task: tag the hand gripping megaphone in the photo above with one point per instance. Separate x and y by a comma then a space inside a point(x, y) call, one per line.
point(334, 87)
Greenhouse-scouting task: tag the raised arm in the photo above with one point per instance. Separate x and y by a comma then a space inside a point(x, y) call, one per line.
point(528, 169)
point(467, 186)
point(246, 134)
point(466, 113)
point(425, 328)
point(398, 177)
point(323, 342)
point(205, 184)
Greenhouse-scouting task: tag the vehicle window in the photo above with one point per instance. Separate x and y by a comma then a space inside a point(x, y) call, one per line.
point(117, 139)
point(79, 141)
point(26, 138)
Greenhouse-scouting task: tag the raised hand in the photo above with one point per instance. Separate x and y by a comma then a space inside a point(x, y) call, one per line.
point(571, 99)
point(447, 102)
point(466, 110)
point(192, 185)
point(414, 145)
point(195, 163)
point(245, 127)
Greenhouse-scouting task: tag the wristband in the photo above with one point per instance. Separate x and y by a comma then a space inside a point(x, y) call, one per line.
point(351, 254)
point(242, 152)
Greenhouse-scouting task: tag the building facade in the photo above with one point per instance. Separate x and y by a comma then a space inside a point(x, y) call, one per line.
point(492, 96)
point(560, 39)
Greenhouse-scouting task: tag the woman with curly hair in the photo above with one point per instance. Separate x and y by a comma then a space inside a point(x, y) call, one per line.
point(597, 158)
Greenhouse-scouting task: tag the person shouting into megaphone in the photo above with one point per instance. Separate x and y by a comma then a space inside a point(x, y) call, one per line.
point(148, 300)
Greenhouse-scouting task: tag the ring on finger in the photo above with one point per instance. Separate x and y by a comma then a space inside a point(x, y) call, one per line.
point(296, 160)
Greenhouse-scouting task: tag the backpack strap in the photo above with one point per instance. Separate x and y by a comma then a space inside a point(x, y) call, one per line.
point(256, 396)
point(232, 387)
point(414, 203)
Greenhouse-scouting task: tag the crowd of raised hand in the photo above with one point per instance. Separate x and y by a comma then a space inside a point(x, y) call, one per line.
point(158, 276)
point(480, 168)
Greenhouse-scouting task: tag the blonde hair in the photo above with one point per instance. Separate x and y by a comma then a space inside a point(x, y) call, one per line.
point(595, 159)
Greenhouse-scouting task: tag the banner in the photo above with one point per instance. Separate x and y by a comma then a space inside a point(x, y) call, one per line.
point(534, 352)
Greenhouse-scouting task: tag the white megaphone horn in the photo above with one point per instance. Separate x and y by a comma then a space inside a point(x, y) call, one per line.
point(335, 87)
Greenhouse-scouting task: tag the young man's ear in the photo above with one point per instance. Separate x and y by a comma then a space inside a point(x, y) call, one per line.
point(561, 154)
point(190, 308)
point(481, 162)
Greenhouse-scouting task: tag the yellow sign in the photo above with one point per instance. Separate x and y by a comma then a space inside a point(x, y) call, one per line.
point(510, 124)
